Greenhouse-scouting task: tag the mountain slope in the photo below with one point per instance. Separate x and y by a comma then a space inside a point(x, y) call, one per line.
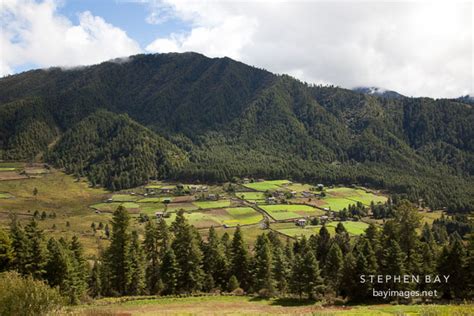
point(221, 118)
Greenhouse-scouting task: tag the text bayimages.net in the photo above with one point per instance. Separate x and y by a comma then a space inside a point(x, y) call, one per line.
point(403, 279)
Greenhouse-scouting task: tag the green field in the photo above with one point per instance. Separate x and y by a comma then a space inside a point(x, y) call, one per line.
point(124, 198)
point(248, 305)
point(266, 185)
point(251, 195)
point(289, 211)
point(7, 169)
point(4, 195)
point(154, 199)
point(212, 204)
point(242, 216)
point(290, 229)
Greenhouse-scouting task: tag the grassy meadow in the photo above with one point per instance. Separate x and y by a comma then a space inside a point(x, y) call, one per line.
point(246, 305)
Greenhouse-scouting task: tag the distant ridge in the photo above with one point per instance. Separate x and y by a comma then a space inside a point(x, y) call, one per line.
point(193, 118)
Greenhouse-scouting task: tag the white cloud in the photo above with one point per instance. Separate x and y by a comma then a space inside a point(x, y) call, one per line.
point(34, 33)
point(416, 48)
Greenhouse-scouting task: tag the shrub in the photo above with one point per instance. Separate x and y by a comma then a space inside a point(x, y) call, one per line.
point(26, 296)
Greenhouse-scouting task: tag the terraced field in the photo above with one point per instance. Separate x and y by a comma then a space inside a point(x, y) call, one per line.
point(266, 185)
point(290, 211)
point(290, 229)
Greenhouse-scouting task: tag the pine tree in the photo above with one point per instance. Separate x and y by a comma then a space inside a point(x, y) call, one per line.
point(151, 248)
point(305, 276)
point(6, 251)
point(95, 284)
point(20, 244)
point(169, 272)
point(36, 255)
point(117, 256)
point(393, 264)
point(136, 284)
point(334, 267)
point(349, 283)
point(81, 268)
point(188, 255)
point(215, 262)
point(453, 263)
point(281, 270)
point(233, 284)
point(263, 265)
point(324, 242)
point(240, 259)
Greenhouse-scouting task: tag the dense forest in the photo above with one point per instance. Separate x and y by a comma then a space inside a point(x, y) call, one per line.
point(175, 260)
point(188, 117)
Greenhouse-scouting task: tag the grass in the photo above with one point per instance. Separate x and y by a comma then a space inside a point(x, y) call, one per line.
point(243, 216)
point(212, 204)
point(289, 211)
point(154, 199)
point(353, 228)
point(336, 203)
point(266, 185)
point(124, 198)
point(290, 229)
point(251, 195)
point(247, 305)
point(5, 195)
point(7, 169)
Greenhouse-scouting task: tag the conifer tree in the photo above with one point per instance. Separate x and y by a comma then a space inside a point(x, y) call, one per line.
point(394, 264)
point(334, 267)
point(281, 270)
point(137, 267)
point(453, 263)
point(95, 284)
point(117, 257)
point(324, 242)
point(6, 251)
point(305, 276)
point(152, 251)
point(263, 265)
point(169, 272)
point(349, 283)
point(240, 259)
point(36, 253)
point(215, 261)
point(188, 255)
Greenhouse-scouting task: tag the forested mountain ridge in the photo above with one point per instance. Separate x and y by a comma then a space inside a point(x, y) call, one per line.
point(213, 119)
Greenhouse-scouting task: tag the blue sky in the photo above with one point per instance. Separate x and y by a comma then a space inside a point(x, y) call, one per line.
point(128, 15)
point(418, 48)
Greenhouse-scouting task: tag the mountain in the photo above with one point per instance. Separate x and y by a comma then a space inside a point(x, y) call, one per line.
point(193, 118)
point(379, 92)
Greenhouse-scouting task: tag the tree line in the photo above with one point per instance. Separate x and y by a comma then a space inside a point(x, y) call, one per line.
point(174, 259)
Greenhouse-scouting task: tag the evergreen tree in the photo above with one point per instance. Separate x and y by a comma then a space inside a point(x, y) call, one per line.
point(215, 261)
point(188, 255)
point(6, 251)
point(170, 272)
point(394, 264)
point(36, 253)
point(136, 284)
point(117, 256)
point(240, 259)
point(95, 284)
point(281, 270)
point(20, 244)
point(453, 263)
point(334, 267)
point(263, 265)
point(233, 284)
point(350, 282)
point(324, 242)
point(305, 276)
point(151, 248)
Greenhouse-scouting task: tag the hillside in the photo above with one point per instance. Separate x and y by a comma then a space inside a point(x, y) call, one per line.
point(194, 118)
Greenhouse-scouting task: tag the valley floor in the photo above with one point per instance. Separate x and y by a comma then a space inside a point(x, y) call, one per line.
point(243, 305)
